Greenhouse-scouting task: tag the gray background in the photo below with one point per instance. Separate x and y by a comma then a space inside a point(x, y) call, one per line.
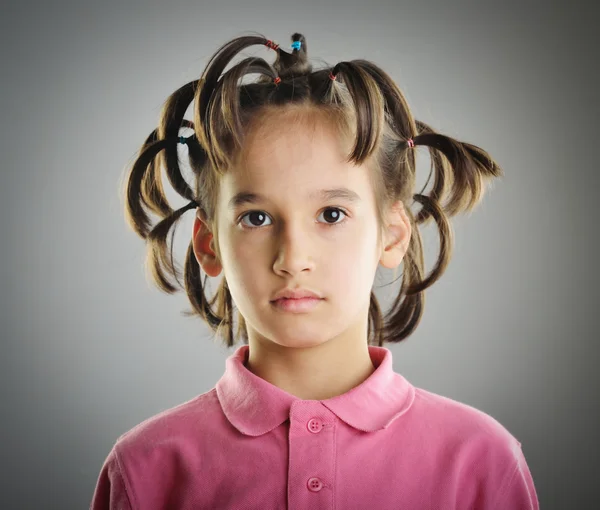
point(89, 348)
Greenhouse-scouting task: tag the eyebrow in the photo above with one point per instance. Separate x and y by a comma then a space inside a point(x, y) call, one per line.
point(247, 197)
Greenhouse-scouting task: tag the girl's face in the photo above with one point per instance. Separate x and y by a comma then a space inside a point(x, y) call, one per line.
point(292, 235)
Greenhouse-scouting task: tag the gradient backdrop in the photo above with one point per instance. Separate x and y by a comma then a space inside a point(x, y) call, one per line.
point(89, 349)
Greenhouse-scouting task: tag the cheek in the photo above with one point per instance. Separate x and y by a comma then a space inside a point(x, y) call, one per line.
point(350, 265)
point(246, 268)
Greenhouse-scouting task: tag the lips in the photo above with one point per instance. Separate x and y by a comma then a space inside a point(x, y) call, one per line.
point(289, 293)
point(301, 305)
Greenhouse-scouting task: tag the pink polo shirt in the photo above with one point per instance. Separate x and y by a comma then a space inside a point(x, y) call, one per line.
point(384, 444)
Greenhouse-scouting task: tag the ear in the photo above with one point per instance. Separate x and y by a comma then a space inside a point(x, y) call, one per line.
point(203, 244)
point(397, 232)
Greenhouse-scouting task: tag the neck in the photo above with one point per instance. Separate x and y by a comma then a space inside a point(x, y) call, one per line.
point(317, 372)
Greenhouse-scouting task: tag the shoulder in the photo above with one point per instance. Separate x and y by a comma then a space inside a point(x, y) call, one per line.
point(461, 421)
point(164, 445)
point(151, 460)
point(174, 423)
point(483, 458)
point(463, 438)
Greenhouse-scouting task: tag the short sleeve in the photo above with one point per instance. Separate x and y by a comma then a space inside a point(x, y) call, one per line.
point(111, 491)
point(518, 491)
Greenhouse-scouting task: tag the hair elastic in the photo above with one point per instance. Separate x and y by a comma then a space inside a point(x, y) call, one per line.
point(296, 45)
point(410, 142)
point(331, 75)
point(182, 139)
point(271, 44)
point(277, 80)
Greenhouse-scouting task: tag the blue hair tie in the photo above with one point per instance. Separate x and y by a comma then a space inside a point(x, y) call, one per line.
point(182, 139)
point(296, 45)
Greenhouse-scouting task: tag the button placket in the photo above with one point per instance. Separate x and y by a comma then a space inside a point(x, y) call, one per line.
point(314, 425)
point(311, 456)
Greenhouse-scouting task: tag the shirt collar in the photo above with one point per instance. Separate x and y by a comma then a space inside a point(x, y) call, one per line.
point(254, 406)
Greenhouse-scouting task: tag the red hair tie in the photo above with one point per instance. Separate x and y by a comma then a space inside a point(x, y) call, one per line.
point(331, 75)
point(277, 80)
point(411, 143)
point(271, 44)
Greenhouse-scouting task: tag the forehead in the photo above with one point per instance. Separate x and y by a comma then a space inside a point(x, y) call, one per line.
point(292, 139)
point(290, 150)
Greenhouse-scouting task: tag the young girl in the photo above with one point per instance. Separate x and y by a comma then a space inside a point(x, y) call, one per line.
point(303, 183)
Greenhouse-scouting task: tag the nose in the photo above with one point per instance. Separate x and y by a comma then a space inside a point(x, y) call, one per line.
point(294, 251)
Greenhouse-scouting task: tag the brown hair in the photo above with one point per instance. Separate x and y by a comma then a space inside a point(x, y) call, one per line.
point(364, 103)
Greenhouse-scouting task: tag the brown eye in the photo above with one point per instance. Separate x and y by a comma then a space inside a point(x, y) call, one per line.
point(256, 217)
point(334, 215)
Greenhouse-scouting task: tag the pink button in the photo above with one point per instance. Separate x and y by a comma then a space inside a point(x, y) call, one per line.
point(314, 425)
point(314, 484)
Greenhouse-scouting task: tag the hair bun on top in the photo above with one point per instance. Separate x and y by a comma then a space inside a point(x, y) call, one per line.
point(294, 62)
